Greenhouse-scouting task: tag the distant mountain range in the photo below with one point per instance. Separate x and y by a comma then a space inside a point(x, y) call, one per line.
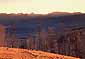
point(26, 23)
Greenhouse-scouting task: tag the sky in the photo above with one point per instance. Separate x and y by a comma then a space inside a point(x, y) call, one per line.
point(41, 6)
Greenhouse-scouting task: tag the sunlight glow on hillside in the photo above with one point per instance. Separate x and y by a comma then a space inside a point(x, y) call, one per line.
point(16, 53)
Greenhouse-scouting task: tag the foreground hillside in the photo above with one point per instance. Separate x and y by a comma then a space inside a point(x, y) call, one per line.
point(15, 53)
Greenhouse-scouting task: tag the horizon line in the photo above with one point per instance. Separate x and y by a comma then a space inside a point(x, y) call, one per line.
point(40, 13)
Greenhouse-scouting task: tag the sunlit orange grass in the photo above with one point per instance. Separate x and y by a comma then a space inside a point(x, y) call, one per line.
point(16, 53)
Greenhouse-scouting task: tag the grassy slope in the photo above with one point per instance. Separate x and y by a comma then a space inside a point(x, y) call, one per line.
point(16, 53)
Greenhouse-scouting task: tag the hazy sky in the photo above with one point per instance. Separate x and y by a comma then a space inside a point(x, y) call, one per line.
point(41, 6)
